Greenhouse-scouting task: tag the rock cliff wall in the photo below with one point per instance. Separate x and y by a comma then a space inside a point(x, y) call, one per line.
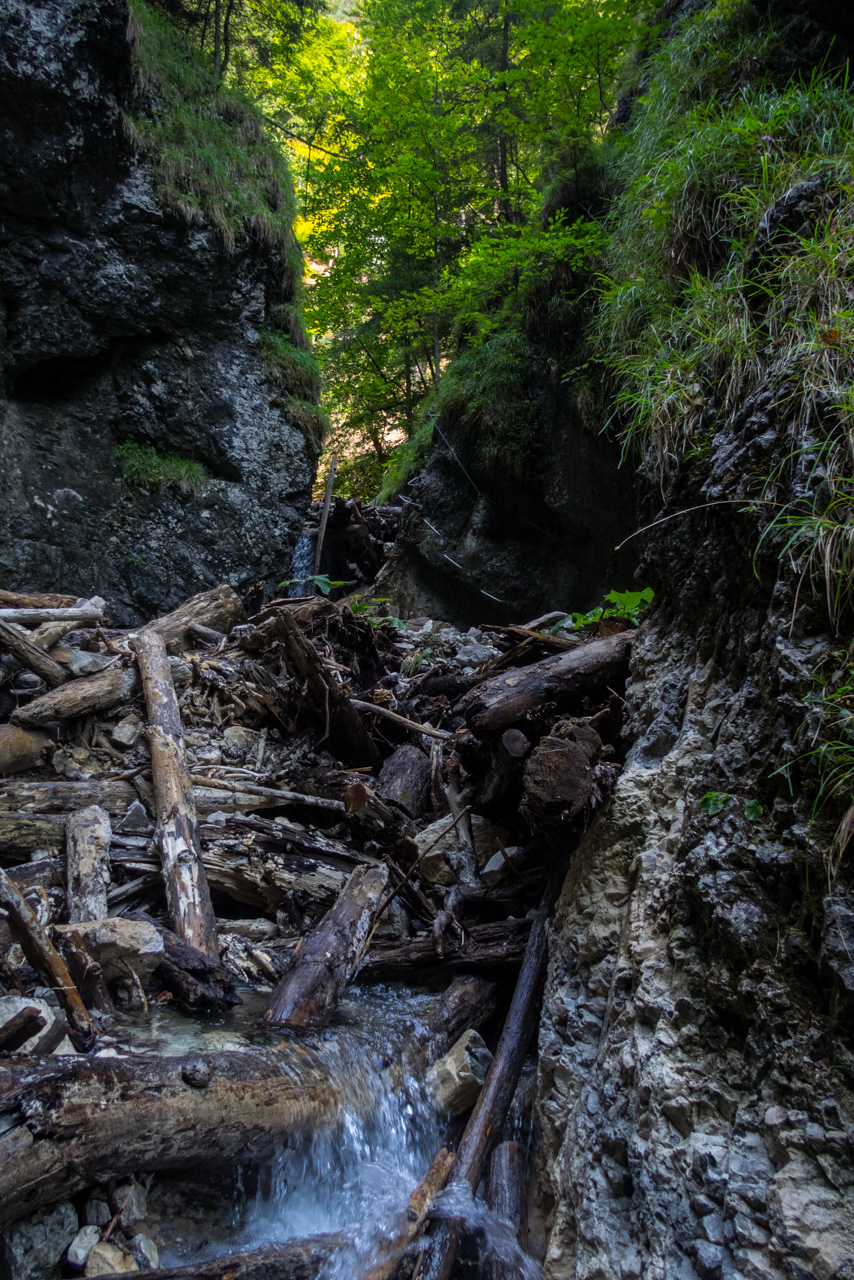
point(122, 323)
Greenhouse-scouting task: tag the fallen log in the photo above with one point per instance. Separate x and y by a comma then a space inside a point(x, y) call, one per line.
point(587, 671)
point(294, 1260)
point(507, 762)
point(100, 692)
point(177, 837)
point(20, 749)
point(45, 958)
point(111, 794)
point(83, 1120)
point(86, 973)
point(269, 793)
point(87, 846)
point(469, 1001)
point(326, 959)
point(343, 724)
point(485, 946)
point(22, 833)
point(219, 609)
point(560, 775)
point(506, 1194)
point(385, 713)
point(197, 981)
point(490, 1110)
point(35, 600)
point(26, 617)
point(31, 656)
point(405, 779)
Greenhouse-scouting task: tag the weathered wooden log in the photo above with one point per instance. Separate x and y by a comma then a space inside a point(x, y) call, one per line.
point(87, 850)
point(326, 959)
point(78, 1121)
point(23, 833)
point(35, 617)
point(293, 1260)
point(486, 947)
point(79, 697)
point(405, 779)
point(45, 958)
point(20, 749)
point(114, 795)
point(385, 822)
point(343, 724)
point(219, 608)
point(50, 633)
point(177, 835)
point(507, 762)
point(560, 776)
point(588, 671)
point(86, 973)
point(469, 1001)
point(490, 1110)
point(20, 1028)
point(393, 1249)
point(270, 793)
point(31, 656)
point(35, 600)
point(206, 635)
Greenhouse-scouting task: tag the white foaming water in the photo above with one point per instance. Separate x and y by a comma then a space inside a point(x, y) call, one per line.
point(499, 1253)
point(302, 565)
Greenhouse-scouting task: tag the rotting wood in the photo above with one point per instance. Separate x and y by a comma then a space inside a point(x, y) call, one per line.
point(31, 656)
point(20, 748)
point(405, 779)
point(177, 836)
point(24, 833)
point(327, 957)
point(35, 617)
point(87, 973)
point(490, 1111)
point(87, 849)
point(269, 793)
point(35, 600)
point(45, 958)
point(324, 514)
point(76, 1122)
point(111, 794)
point(486, 946)
point(197, 981)
point(219, 608)
point(507, 763)
point(589, 670)
point(337, 710)
point(99, 692)
point(560, 777)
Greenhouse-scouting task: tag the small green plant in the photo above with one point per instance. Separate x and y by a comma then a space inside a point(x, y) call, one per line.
point(753, 811)
point(321, 580)
point(714, 801)
point(144, 468)
point(368, 607)
point(617, 604)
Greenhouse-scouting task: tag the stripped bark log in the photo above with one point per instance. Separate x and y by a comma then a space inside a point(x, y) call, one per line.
point(219, 608)
point(75, 1122)
point(45, 958)
point(326, 959)
point(343, 724)
point(27, 617)
point(112, 794)
point(22, 833)
point(87, 844)
point(20, 749)
point(20, 1028)
point(31, 656)
point(177, 836)
point(100, 692)
point(35, 600)
point(490, 1110)
point(589, 670)
point(392, 1250)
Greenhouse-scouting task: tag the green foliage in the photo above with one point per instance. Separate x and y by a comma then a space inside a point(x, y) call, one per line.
point(829, 758)
point(291, 369)
point(211, 159)
point(368, 607)
point(321, 580)
point(626, 605)
point(753, 811)
point(406, 460)
point(714, 802)
point(144, 468)
point(487, 392)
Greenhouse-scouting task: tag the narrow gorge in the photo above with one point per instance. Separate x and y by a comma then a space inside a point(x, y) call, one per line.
point(426, 686)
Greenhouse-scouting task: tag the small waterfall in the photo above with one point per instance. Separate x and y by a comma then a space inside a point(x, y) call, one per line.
point(302, 564)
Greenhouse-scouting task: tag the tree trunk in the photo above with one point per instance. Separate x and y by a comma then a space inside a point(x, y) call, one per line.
point(177, 836)
point(35, 617)
point(87, 844)
point(485, 947)
point(83, 1120)
point(507, 1195)
point(588, 671)
point(99, 692)
point(326, 959)
point(220, 608)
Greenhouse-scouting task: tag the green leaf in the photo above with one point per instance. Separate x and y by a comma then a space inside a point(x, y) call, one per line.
point(753, 811)
point(713, 802)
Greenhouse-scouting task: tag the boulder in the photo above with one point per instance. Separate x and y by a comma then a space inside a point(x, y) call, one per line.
point(108, 1260)
point(456, 1079)
point(82, 1245)
point(119, 945)
point(34, 1248)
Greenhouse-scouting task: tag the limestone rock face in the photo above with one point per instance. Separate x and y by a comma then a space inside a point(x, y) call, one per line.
point(34, 1249)
point(119, 323)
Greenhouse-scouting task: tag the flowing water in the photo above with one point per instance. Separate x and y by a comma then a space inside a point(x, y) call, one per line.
point(302, 565)
point(353, 1179)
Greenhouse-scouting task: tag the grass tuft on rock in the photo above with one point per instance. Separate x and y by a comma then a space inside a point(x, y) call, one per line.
point(144, 468)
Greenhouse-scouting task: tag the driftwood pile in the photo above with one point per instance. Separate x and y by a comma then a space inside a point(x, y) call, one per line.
point(213, 802)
